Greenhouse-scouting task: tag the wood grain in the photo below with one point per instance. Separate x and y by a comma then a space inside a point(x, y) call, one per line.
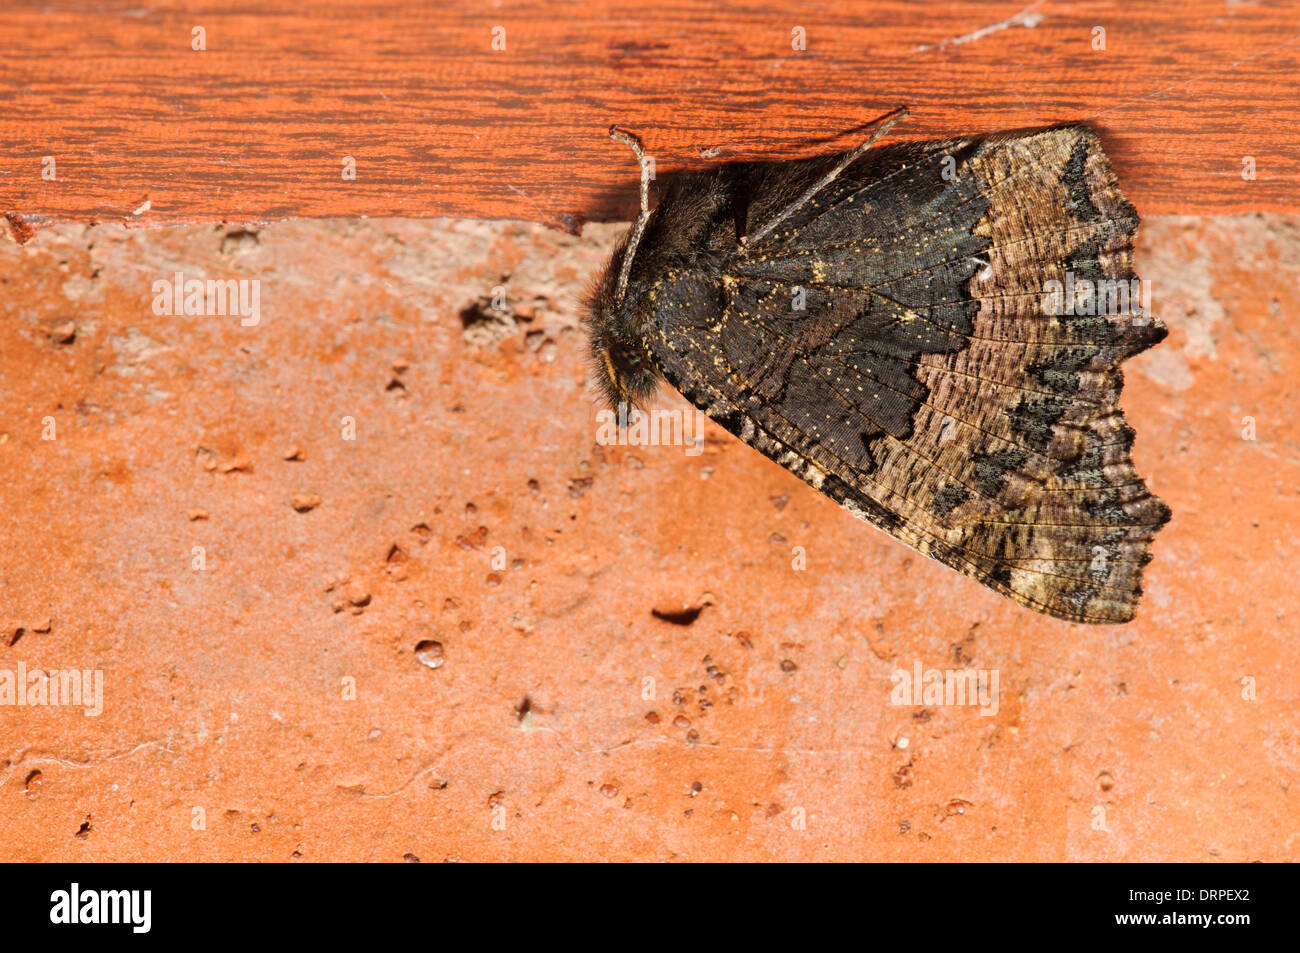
point(257, 125)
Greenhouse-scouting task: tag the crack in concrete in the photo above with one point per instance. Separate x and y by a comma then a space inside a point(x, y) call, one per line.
point(26, 757)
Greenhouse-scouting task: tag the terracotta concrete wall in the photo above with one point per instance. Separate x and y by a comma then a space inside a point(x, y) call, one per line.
point(264, 668)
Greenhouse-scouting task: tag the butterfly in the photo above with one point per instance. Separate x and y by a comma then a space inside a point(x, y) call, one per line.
point(929, 333)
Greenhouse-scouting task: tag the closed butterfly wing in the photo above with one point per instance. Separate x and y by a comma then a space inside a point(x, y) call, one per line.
point(934, 342)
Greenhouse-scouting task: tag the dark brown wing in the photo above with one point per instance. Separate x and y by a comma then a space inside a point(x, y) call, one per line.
point(930, 383)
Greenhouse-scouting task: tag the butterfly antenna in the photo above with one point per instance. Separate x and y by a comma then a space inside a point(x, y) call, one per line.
point(887, 121)
point(637, 229)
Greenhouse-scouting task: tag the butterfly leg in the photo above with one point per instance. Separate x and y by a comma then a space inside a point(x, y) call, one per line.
point(849, 158)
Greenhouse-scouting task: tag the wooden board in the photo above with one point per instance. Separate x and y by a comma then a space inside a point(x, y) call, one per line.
point(258, 125)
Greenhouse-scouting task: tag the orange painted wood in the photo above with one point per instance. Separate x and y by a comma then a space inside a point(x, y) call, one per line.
point(257, 126)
